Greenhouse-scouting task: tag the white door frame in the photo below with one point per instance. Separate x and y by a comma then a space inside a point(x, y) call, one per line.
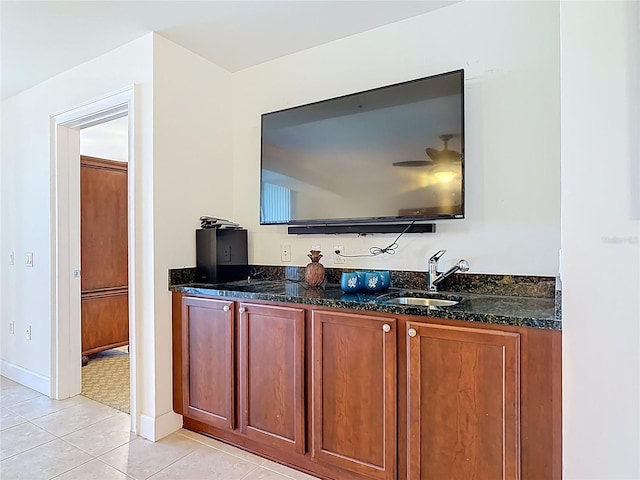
point(66, 343)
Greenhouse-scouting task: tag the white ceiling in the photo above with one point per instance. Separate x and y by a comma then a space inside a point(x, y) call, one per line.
point(40, 39)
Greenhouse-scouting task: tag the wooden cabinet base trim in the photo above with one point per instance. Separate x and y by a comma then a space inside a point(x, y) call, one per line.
point(104, 347)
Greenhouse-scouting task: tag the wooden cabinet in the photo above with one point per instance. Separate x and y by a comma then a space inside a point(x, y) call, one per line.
point(354, 392)
point(104, 254)
point(208, 388)
point(260, 357)
point(352, 395)
point(463, 389)
point(271, 372)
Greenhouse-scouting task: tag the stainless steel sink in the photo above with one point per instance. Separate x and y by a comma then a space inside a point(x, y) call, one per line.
point(423, 302)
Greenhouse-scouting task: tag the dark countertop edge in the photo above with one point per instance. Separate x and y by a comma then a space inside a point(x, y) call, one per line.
point(482, 284)
point(450, 313)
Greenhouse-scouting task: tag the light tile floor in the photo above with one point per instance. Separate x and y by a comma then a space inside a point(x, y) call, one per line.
point(81, 439)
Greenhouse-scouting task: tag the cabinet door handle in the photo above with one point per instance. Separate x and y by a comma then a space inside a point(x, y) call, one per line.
point(386, 328)
point(412, 332)
point(242, 310)
point(225, 308)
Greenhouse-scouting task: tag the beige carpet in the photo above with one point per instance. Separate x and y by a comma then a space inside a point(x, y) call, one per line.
point(106, 378)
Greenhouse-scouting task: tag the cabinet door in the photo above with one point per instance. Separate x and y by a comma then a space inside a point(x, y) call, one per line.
point(207, 361)
point(272, 375)
point(354, 392)
point(463, 389)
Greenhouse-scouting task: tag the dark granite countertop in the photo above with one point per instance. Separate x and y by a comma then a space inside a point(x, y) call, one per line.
point(533, 312)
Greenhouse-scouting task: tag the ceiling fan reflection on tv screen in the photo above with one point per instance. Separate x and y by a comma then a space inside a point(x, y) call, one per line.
point(434, 156)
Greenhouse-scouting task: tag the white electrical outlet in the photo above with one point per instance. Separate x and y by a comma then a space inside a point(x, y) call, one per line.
point(12, 328)
point(28, 332)
point(28, 259)
point(285, 253)
point(337, 259)
point(12, 258)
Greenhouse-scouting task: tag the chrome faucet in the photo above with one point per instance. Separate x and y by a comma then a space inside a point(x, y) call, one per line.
point(434, 277)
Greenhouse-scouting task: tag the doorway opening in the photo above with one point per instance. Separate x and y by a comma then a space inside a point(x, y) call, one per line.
point(104, 265)
point(66, 345)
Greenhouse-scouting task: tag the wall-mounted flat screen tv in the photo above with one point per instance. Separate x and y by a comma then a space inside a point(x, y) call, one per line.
point(391, 154)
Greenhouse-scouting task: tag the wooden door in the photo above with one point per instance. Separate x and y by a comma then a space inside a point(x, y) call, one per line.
point(104, 254)
point(354, 392)
point(208, 387)
point(463, 403)
point(271, 372)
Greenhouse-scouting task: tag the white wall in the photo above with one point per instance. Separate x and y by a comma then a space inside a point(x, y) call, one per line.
point(192, 177)
point(26, 213)
point(182, 171)
point(510, 54)
point(600, 44)
point(26, 196)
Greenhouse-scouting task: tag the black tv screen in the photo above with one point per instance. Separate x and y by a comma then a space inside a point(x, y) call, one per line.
point(391, 154)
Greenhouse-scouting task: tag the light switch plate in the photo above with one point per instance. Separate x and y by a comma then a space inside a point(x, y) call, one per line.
point(28, 259)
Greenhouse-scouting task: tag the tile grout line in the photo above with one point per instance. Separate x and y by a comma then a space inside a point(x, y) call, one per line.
point(19, 423)
point(259, 465)
point(73, 431)
point(97, 457)
point(251, 472)
point(283, 474)
point(31, 448)
point(172, 463)
point(44, 414)
point(73, 468)
point(224, 451)
point(92, 456)
point(14, 405)
point(115, 468)
point(58, 437)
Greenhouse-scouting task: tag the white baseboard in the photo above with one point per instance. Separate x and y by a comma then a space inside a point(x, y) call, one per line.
point(156, 428)
point(26, 377)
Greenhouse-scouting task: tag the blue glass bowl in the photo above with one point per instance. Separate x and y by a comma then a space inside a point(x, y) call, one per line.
point(372, 282)
point(385, 278)
point(367, 281)
point(351, 282)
